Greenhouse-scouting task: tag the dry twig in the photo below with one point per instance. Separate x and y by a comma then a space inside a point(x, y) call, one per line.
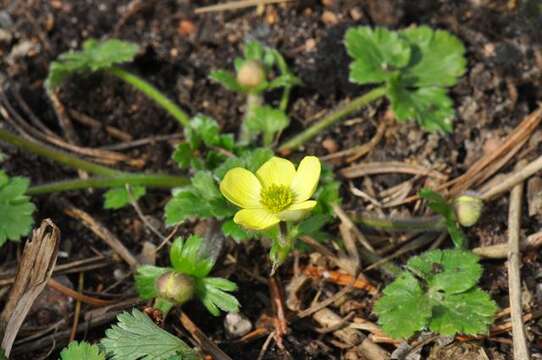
point(514, 276)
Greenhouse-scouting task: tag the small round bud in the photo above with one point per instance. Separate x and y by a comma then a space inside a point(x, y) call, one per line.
point(251, 74)
point(175, 287)
point(468, 208)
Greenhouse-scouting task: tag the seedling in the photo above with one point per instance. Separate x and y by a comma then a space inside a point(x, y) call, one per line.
point(135, 336)
point(187, 277)
point(15, 208)
point(437, 291)
point(413, 67)
point(252, 78)
point(105, 56)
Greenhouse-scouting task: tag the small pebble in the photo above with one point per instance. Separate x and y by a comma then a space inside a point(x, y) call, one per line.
point(236, 325)
point(329, 18)
point(310, 45)
point(330, 145)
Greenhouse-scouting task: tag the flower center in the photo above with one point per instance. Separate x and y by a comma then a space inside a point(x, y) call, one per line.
point(276, 197)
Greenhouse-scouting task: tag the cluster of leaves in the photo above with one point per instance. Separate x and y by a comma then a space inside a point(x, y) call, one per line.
point(263, 119)
point(416, 66)
point(95, 56)
point(438, 292)
point(438, 204)
point(190, 258)
point(15, 208)
point(135, 336)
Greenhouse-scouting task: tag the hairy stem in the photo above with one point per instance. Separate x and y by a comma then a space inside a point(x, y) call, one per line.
point(331, 119)
point(253, 101)
point(152, 93)
point(56, 155)
point(147, 180)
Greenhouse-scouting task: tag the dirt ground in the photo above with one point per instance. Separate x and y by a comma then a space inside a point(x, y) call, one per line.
point(179, 49)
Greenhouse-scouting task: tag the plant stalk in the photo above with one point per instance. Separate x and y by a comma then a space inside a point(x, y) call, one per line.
point(56, 155)
point(432, 223)
point(152, 93)
point(253, 101)
point(148, 180)
point(331, 119)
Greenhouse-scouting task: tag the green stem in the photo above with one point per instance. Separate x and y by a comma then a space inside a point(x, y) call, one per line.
point(56, 155)
point(253, 101)
point(148, 180)
point(332, 118)
point(152, 93)
point(285, 98)
point(432, 223)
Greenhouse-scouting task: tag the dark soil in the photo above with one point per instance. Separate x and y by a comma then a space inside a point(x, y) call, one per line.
point(501, 87)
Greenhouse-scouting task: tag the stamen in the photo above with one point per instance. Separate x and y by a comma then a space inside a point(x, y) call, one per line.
point(276, 197)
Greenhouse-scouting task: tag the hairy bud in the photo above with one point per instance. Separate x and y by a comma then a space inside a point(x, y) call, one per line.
point(251, 74)
point(468, 208)
point(175, 287)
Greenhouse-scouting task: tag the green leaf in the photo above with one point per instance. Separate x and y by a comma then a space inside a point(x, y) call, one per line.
point(226, 79)
point(117, 198)
point(404, 309)
point(431, 107)
point(135, 336)
point(205, 184)
point(378, 54)
point(438, 292)
point(470, 312)
point(95, 55)
point(253, 50)
point(438, 57)
point(81, 350)
point(15, 208)
point(183, 155)
point(186, 257)
point(202, 129)
point(213, 292)
point(267, 120)
point(452, 271)
point(236, 232)
point(185, 204)
point(145, 279)
point(249, 159)
point(438, 204)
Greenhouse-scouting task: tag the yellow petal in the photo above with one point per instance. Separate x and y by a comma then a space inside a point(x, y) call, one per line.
point(306, 178)
point(297, 211)
point(277, 171)
point(242, 188)
point(255, 219)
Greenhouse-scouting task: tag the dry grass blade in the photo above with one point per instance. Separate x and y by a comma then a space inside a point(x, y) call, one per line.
point(235, 5)
point(521, 350)
point(500, 251)
point(480, 170)
point(204, 342)
point(34, 270)
point(360, 170)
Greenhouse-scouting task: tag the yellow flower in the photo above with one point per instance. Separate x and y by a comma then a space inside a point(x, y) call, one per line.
point(277, 192)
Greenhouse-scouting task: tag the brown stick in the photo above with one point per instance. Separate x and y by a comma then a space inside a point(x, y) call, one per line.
point(202, 339)
point(514, 276)
point(34, 270)
point(500, 251)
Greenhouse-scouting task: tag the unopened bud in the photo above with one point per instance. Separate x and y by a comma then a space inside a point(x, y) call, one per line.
point(175, 287)
point(468, 208)
point(251, 74)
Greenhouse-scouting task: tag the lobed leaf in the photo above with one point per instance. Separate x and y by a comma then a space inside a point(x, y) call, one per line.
point(95, 56)
point(213, 292)
point(15, 208)
point(187, 257)
point(378, 53)
point(81, 350)
point(117, 198)
point(136, 336)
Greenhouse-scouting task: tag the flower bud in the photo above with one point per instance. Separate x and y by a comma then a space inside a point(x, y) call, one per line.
point(175, 287)
point(251, 74)
point(468, 208)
